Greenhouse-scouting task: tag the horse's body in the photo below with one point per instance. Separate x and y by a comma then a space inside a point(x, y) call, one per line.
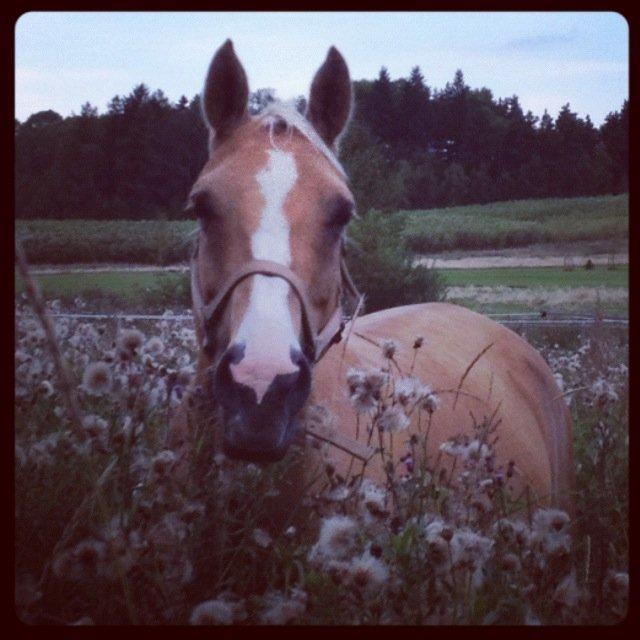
point(273, 203)
point(509, 382)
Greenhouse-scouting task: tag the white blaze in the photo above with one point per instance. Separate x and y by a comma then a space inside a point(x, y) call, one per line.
point(267, 329)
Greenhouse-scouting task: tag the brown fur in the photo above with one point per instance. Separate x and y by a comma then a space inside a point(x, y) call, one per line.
point(510, 381)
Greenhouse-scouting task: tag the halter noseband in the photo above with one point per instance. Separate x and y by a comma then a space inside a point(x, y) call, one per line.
point(317, 340)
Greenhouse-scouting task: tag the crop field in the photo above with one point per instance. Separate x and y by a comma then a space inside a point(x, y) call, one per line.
point(519, 223)
point(492, 226)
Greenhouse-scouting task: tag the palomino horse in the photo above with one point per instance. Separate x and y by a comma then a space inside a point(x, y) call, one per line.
point(267, 282)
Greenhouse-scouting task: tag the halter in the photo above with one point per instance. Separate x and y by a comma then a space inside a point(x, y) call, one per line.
point(317, 340)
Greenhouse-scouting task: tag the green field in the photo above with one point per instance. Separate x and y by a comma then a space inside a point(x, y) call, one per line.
point(491, 226)
point(156, 290)
point(550, 277)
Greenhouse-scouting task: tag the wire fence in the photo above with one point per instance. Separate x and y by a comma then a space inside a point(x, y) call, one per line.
point(502, 318)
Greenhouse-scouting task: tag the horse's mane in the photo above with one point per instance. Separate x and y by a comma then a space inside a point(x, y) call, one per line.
point(286, 112)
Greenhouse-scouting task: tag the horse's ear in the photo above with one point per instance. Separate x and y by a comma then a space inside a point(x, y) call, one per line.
point(330, 98)
point(226, 91)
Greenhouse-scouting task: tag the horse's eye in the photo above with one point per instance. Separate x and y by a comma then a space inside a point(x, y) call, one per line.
point(341, 211)
point(201, 206)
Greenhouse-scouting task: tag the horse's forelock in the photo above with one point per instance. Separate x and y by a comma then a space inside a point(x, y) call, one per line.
point(278, 112)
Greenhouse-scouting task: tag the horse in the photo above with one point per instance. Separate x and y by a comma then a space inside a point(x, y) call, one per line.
point(269, 282)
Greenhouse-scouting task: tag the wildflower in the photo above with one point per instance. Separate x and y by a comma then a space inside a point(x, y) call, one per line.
point(452, 447)
point(96, 379)
point(129, 341)
point(163, 462)
point(389, 348)
point(393, 419)
point(365, 388)
point(410, 390)
point(367, 572)
point(438, 539)
point(192, 511)
point(339, 494)
point(336, 539)
point(603, 392)
point(184, 376)
point(95, 426)
point(567, 592)
point(617, 582)
point(46, 388)
point(510, 562)
point(154, 345)
point(373, 497)
point(470, 548)
point(419, 341)
point(212, 612)
point(261, 538)
point(281, 610)
point(512, 531)
point(550, 521)
point(431, 402)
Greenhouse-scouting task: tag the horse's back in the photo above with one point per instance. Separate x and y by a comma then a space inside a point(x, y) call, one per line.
point(479, 370)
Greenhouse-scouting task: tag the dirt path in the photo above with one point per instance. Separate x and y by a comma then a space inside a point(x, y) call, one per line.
point(471, 262)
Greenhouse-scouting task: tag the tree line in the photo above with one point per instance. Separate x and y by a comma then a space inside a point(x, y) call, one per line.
point(408, 146)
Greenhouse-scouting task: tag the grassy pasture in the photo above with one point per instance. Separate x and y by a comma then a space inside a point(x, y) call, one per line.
point(154, 290)
point(491, 226)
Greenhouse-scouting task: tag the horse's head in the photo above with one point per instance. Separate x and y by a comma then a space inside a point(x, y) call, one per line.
point(273, 203)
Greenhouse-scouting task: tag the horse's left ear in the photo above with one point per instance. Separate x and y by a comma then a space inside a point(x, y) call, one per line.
point(330, 98)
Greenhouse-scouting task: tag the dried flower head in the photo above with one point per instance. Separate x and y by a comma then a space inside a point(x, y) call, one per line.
point(163, 462)
point(280, 609)
point(336, 539)
point(367, 572)
point(130, 341)
point(410, 390)
point(212, 612)
point(154, 345)
point(96, 379)
point(393, 419)
point(389, 348)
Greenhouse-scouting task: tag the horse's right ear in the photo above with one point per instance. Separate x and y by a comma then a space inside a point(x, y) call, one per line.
point(226, 92)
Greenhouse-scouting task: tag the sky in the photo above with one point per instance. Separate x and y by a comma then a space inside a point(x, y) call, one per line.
point(64, 59)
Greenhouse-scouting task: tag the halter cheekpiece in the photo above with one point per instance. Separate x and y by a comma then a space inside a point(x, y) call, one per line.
point(317, 339)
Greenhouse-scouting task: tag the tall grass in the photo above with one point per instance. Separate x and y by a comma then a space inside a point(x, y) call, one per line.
point(110, 528)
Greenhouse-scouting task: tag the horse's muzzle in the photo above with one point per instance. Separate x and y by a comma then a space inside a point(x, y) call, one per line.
point(260, 431)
